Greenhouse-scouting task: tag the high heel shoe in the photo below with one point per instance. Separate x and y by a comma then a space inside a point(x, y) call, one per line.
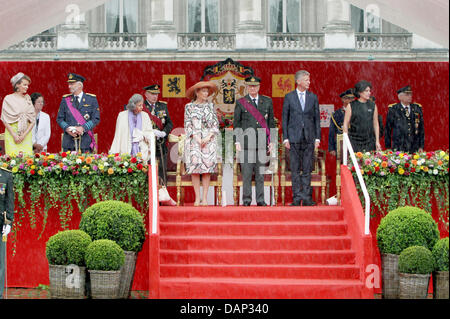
point(204, 203)
point(196, 203)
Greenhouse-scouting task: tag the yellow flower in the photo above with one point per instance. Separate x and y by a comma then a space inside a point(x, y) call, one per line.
point(40, 172)
point(442, 153)
point(15, 169)
point(139, 154)
point(101, 167)
point(33, 166)
point(401, 171)
point(425, 168)
point(362, 172)
point(110, 171)
point(401, 155)
point(51, 156)
point(416, 157)
point(446, 158)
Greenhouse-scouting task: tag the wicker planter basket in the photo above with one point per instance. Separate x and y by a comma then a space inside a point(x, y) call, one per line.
point(440, 285)
point(104, 284)
point(127, 274)
point(414, 286)
point(390, 279)
point(58, 286)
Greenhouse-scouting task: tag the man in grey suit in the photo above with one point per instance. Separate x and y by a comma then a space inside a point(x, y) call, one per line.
point(301, 134)
point(253, 119)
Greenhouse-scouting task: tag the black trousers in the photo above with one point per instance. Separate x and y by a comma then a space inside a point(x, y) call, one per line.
point(250, 165)
point(302, 158)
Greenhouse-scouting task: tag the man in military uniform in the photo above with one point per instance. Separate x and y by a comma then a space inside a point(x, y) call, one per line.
point(337, 119)
point(78, 114)
point(253, 113)
point(6, 218)
point(404, 124)
point(162, 126)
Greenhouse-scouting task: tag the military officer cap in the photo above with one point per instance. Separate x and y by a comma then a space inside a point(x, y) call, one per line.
point(75, 78)
point(349, 93)
point(406, 89)
point(154, 88)
point(253, 80)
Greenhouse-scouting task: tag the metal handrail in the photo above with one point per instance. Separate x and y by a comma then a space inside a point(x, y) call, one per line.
point(154, 184)
point(348, 146)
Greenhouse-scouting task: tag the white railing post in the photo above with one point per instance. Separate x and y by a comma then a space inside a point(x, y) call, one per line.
point(348, 145)
point(154, 188)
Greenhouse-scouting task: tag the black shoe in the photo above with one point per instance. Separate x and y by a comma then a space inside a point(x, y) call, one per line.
point(246, 204)
point(309, 203)
point(261, 204)
point(295, 203)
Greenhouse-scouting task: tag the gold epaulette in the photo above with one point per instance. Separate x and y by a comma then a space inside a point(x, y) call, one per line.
point(420, 105)
point(91, 94)
point(164, 102)
point(266, 96)
point(66, 95)
point(5, 169)
point(334, 121)
point(391, 105)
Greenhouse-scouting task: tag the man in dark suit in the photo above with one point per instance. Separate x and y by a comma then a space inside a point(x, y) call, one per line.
point(253, 121)
point(6, 218)
point(404, 124)
point(162, 126)
point(301, 135)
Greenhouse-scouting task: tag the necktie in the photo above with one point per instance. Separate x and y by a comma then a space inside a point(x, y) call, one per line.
point(302, 101)
point(77, 103)
point(37, 124)
point(254, 101)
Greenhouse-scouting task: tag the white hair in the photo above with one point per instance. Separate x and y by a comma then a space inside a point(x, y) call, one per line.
point(301, 74)
point(136, 98)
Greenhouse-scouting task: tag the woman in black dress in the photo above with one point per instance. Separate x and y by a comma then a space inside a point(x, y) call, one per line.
point(361, 120)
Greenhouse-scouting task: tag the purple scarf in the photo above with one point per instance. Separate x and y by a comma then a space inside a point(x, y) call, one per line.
point(80, 119)
point(255, 113)
point(134, 121)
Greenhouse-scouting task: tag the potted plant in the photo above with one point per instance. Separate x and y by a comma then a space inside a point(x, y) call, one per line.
point(440, 273)
point(121, 223)
point(399, 229)
point(415, 265)
point(104, 258)
point(65, 252)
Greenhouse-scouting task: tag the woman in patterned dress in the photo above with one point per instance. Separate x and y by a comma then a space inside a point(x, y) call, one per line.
point(202, 127)
point(19, 117)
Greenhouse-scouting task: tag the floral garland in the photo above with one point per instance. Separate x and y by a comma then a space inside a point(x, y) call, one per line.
point(68, 177)
point(395, 179)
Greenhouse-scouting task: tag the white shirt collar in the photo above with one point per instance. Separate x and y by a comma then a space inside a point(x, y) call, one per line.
point(80, 96)
point(254, 98)
point(299, 92)
point(407, 106)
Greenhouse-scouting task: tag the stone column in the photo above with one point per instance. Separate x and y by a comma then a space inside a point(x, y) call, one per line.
point(250, 34)
point(161, 32)
point(338, 30)
point(74, 33)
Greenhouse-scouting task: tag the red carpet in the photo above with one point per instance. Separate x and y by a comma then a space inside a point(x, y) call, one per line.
point(257, 252)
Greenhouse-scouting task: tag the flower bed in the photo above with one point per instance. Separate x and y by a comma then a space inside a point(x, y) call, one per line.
point(395, 179)
point(64, 179)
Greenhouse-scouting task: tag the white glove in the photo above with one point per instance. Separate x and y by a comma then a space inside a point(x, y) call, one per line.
point(6, 230)
point(159, 133)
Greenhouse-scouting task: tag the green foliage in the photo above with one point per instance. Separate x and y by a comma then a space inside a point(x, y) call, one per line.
point(440, 255)
point(67, 247)
point(404, 227)
point(104, 254)
point(416, 260)
point(117, 221)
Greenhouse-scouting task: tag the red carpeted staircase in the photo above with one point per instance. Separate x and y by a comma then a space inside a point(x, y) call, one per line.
point(257, 252)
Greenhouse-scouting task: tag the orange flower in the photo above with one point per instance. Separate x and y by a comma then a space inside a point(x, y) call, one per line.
point(30, 162)
point(61, 165)
point(110, 171)
point(81, 158)
point(439, 162)
point(359, 155)
point(384, 164)
point(414, 162)
point(88, 160)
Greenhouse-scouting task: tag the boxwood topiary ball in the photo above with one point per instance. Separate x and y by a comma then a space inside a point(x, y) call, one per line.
point(67, 247)
point(404, 227)
point(440, 255)
point(117, 221)
point(416, 260)
point(104, 254)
